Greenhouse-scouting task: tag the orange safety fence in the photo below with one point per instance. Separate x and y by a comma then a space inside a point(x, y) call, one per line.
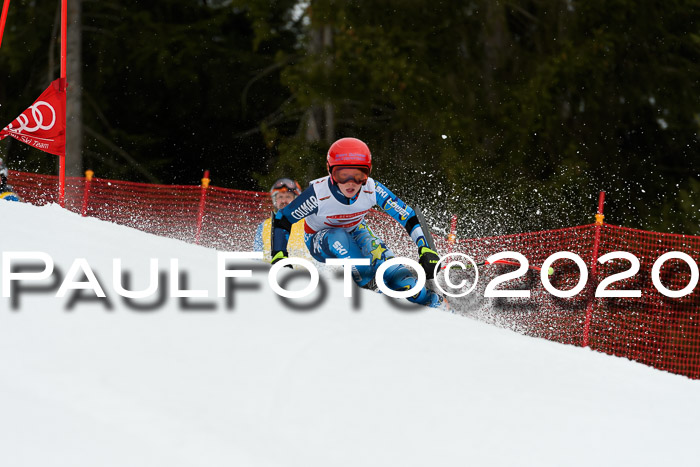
point(654, 329)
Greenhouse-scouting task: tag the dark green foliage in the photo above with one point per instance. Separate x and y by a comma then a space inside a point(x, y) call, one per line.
point(24, 71)
point(179, 84)
point(561, 97)
point(519, 111)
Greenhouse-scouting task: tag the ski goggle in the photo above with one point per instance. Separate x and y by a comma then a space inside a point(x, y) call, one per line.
point(346, 174)
point(286, 184)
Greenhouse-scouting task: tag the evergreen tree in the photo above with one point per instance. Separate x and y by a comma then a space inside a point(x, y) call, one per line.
point(514, 114)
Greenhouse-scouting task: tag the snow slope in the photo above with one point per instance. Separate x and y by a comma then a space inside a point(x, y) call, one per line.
point(259, 383)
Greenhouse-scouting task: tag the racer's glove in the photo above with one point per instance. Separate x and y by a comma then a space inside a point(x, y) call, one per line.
point(279, 256)
point(428, 259)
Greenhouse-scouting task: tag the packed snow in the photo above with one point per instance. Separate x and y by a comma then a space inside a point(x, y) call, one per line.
point(251, 380)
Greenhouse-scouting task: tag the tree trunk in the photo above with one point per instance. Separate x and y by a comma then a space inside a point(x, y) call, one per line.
point(328, 106)
point(320, 119)
point(74, 92)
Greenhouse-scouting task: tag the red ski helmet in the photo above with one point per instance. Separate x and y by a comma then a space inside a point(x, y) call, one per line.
point(349, 152)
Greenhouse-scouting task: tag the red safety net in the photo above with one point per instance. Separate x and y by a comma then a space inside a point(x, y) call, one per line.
point(654, 329)
point(542, 314)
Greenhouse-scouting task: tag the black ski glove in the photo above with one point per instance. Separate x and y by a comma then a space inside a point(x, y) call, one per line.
point(428, 259)
point(279, 256)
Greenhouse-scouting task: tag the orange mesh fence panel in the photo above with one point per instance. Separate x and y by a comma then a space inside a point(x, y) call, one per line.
point(34, 188)
point(166, 210)
point(542, 314)
point(653, 329)
point(231, 218)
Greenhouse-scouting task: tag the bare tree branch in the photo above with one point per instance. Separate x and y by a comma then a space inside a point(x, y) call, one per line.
point(125, 155)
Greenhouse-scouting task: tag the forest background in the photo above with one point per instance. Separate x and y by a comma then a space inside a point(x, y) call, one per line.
point(511, 114)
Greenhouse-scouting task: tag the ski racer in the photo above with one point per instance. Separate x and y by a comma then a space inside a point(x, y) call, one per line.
point(334, 208)
point(7, 193)
point(282, 193)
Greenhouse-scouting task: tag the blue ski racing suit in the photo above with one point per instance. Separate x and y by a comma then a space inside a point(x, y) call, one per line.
point(335, 228)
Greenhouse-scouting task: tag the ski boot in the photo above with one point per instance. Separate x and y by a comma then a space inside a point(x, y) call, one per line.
point(438, 301)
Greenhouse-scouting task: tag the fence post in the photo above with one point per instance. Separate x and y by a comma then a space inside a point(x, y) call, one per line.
point(86, 191)
point(202, 198)
point(452, 237)
point(594, 264)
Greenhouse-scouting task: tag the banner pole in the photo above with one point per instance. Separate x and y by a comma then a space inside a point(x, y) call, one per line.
point(62, 88)
point(452, 238)
point(86, 191)
point(202, 198)
point(5, 7)
point(596, 244)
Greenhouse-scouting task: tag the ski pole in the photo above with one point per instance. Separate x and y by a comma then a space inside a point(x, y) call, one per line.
point(502, 261)
point(426, 229)
point(431, 244)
